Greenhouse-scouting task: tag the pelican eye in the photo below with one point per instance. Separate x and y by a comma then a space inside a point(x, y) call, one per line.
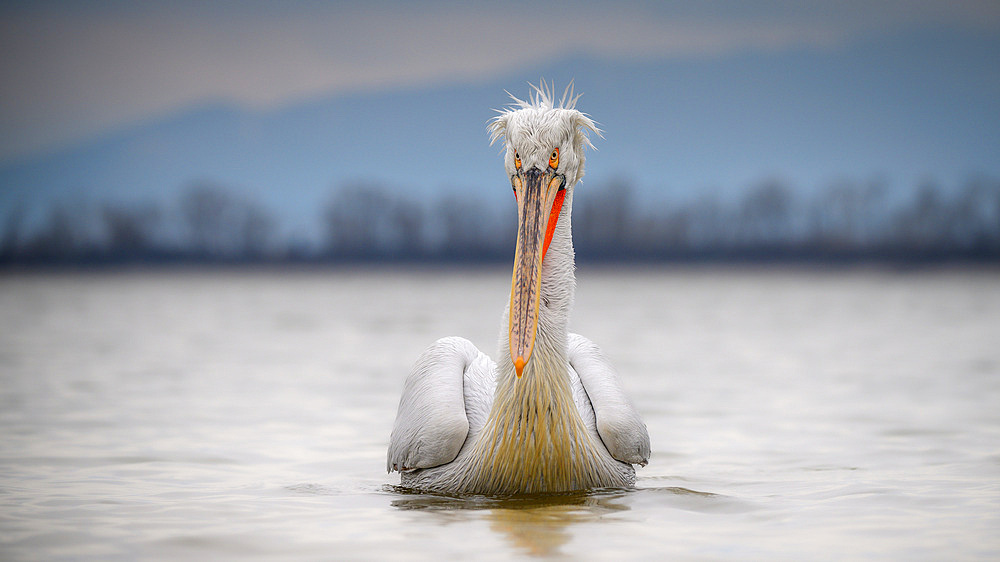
point(517, 160)
point(554, 159)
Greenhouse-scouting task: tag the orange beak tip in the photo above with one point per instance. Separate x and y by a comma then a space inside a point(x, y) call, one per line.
point(519, 366)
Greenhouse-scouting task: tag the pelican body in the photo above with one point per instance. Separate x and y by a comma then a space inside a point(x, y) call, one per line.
point(551, 414)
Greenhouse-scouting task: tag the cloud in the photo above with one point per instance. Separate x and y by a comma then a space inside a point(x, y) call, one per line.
point(69, 74)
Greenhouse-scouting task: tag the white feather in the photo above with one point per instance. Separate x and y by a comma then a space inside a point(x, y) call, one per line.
point(618, 422)
point(536, 126)
point(432, 423)
point(458, 409)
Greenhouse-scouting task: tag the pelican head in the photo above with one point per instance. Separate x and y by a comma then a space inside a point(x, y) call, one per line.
point(544, 159)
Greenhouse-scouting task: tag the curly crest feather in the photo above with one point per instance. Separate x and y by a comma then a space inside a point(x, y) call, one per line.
point(536, 126)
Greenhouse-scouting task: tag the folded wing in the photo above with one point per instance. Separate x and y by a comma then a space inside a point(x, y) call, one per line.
point(618, 423)
point(431, 423)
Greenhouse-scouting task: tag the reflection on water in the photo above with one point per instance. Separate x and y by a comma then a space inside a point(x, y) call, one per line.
point(792, 415)
point(539, 524)
point(533, 524)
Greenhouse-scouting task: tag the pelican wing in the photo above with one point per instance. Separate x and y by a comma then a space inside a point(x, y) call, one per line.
point(431, 423)
point(618, 423)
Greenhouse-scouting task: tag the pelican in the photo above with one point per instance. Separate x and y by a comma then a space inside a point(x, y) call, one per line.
point(551, 414)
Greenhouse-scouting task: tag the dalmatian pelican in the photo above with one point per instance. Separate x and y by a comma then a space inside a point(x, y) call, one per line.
point(551, 414)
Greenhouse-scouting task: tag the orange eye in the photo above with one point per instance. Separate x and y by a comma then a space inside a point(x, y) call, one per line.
point(517, 160)
point(554, 159)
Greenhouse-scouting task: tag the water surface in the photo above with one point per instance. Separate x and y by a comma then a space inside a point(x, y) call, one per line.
point(793, 415)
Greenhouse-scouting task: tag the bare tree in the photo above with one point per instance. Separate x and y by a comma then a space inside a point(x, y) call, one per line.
point(977, 215)
point(408, 218)
point(603, 221)
point(63, 236)
point(920, 227)
point(203, 209)
point(358, 221)
point(221, 225)
point(765, 213)
point(836, 217)
point(130, 231)
point(467, 230)
point(11, 240)
point(710, 228)
point(255, 229)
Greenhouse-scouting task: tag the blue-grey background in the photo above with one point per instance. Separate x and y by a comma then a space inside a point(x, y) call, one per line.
point(233, 128)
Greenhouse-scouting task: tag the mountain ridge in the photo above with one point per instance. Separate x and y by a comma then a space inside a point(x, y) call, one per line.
point(911, 106)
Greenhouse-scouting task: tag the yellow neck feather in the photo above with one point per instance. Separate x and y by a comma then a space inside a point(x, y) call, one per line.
point(535, 439)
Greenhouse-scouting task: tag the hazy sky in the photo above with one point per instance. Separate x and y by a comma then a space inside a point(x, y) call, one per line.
point(71, 70)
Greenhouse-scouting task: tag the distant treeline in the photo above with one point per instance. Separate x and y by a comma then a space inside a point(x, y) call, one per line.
point(770, 221)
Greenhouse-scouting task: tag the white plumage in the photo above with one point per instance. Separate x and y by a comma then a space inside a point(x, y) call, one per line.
point(551, 414)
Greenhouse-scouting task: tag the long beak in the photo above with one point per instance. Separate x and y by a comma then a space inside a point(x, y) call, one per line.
point(539, 201)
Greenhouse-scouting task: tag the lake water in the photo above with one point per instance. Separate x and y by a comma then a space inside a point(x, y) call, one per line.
point(794, 415)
